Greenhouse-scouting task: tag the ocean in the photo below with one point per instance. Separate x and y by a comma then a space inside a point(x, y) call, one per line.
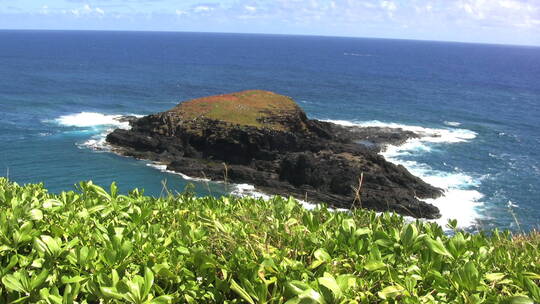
point(479, 106)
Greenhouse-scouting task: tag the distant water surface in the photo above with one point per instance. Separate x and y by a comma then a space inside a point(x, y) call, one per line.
point(60, 92)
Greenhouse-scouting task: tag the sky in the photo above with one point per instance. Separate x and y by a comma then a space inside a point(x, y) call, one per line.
point(484, 21)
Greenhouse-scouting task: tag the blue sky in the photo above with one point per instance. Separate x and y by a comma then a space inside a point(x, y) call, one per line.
point(491, 21)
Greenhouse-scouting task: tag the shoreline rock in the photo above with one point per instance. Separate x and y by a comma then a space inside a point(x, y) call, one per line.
point(265, 139)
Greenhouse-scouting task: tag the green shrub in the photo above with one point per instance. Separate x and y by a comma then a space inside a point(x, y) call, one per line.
point(95, 246)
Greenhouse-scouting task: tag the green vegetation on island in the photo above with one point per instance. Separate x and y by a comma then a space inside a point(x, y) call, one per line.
point(255, 108)
point(266, 140)
point(97, 246)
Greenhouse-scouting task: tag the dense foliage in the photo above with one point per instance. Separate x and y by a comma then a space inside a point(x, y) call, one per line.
point(95, 246)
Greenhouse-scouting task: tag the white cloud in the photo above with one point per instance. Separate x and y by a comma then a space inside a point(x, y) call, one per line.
point(44, 10)
point(202, 9)
point(502, 12)
point(86, 10)
point(474, 8)
point(250, 8)
point(428, 8)
point(510, 4)
point(388, 5)
point(180, 12)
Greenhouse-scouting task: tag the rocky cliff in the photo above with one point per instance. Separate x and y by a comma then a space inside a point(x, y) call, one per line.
point(265, 139)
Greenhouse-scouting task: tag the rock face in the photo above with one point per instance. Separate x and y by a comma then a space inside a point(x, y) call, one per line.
point(265, 139)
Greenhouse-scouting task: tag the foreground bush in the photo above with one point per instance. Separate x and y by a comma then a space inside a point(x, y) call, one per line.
point(95, 246)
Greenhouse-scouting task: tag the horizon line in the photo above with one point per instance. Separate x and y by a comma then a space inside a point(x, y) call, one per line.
point(271, 34)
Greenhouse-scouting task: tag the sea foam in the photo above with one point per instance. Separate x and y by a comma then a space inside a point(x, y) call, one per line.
point(460, 200)
point(432, 135)
point(452, 123)
point(100, 123)
point(163, 168)
point(91, 119)
point(241, 190)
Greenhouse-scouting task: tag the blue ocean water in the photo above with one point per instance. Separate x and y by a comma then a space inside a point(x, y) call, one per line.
point(478, 105)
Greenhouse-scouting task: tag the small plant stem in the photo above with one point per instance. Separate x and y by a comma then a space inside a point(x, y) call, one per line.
point(357, 192)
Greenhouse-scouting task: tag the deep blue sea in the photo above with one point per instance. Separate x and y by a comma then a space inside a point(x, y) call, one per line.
point(479, 106)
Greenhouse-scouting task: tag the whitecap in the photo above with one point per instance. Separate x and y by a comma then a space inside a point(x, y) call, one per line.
point(357, 54)
point(91, 119)
point(431, 135)
point(240, 190)
point(247, 190)
point(163, 168)
point(94, 122)
point(511, 205)
point(460, 200)
point(452, 123)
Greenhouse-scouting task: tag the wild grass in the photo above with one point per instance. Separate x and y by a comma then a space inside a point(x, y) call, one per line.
point(248, 108)
point(98, 246)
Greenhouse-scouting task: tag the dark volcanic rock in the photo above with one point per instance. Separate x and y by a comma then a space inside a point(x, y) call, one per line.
point(265, 139)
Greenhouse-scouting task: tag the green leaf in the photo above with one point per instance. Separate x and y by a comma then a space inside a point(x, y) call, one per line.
point(391, 292)
point(95, 209)
point(437, 246)
point(12, 282)
point(518, 300)
point(101, 192)
point(315, 264)
point(52, 203)
point(348, 225)
point(111, 292)
point(45, 294)
point(39, 279)
point(321, 255)
point(241, 292)
point(346, 281)
point(331, 284)
point(70, 280)
point(471, 275)
point(48, 245)
point(532, 288)
point(36, 214)
point(362, 231)
point(162, 300)
point(148, 281)
point(311, 296)
point(115, 278)
point(20, 300)
point(182, 250)
point(409, 235)
point(297, 287)
point(532, 275)
point(374, 265)
point(496, 276)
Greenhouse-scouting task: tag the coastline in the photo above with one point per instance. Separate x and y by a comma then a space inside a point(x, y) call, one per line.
point(456, 202)
point(446, 203)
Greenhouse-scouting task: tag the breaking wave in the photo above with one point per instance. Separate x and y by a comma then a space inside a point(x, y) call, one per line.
point(460, 201)
point(98, 123)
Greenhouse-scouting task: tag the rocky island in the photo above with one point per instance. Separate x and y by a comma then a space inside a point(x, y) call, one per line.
point(265, 139)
